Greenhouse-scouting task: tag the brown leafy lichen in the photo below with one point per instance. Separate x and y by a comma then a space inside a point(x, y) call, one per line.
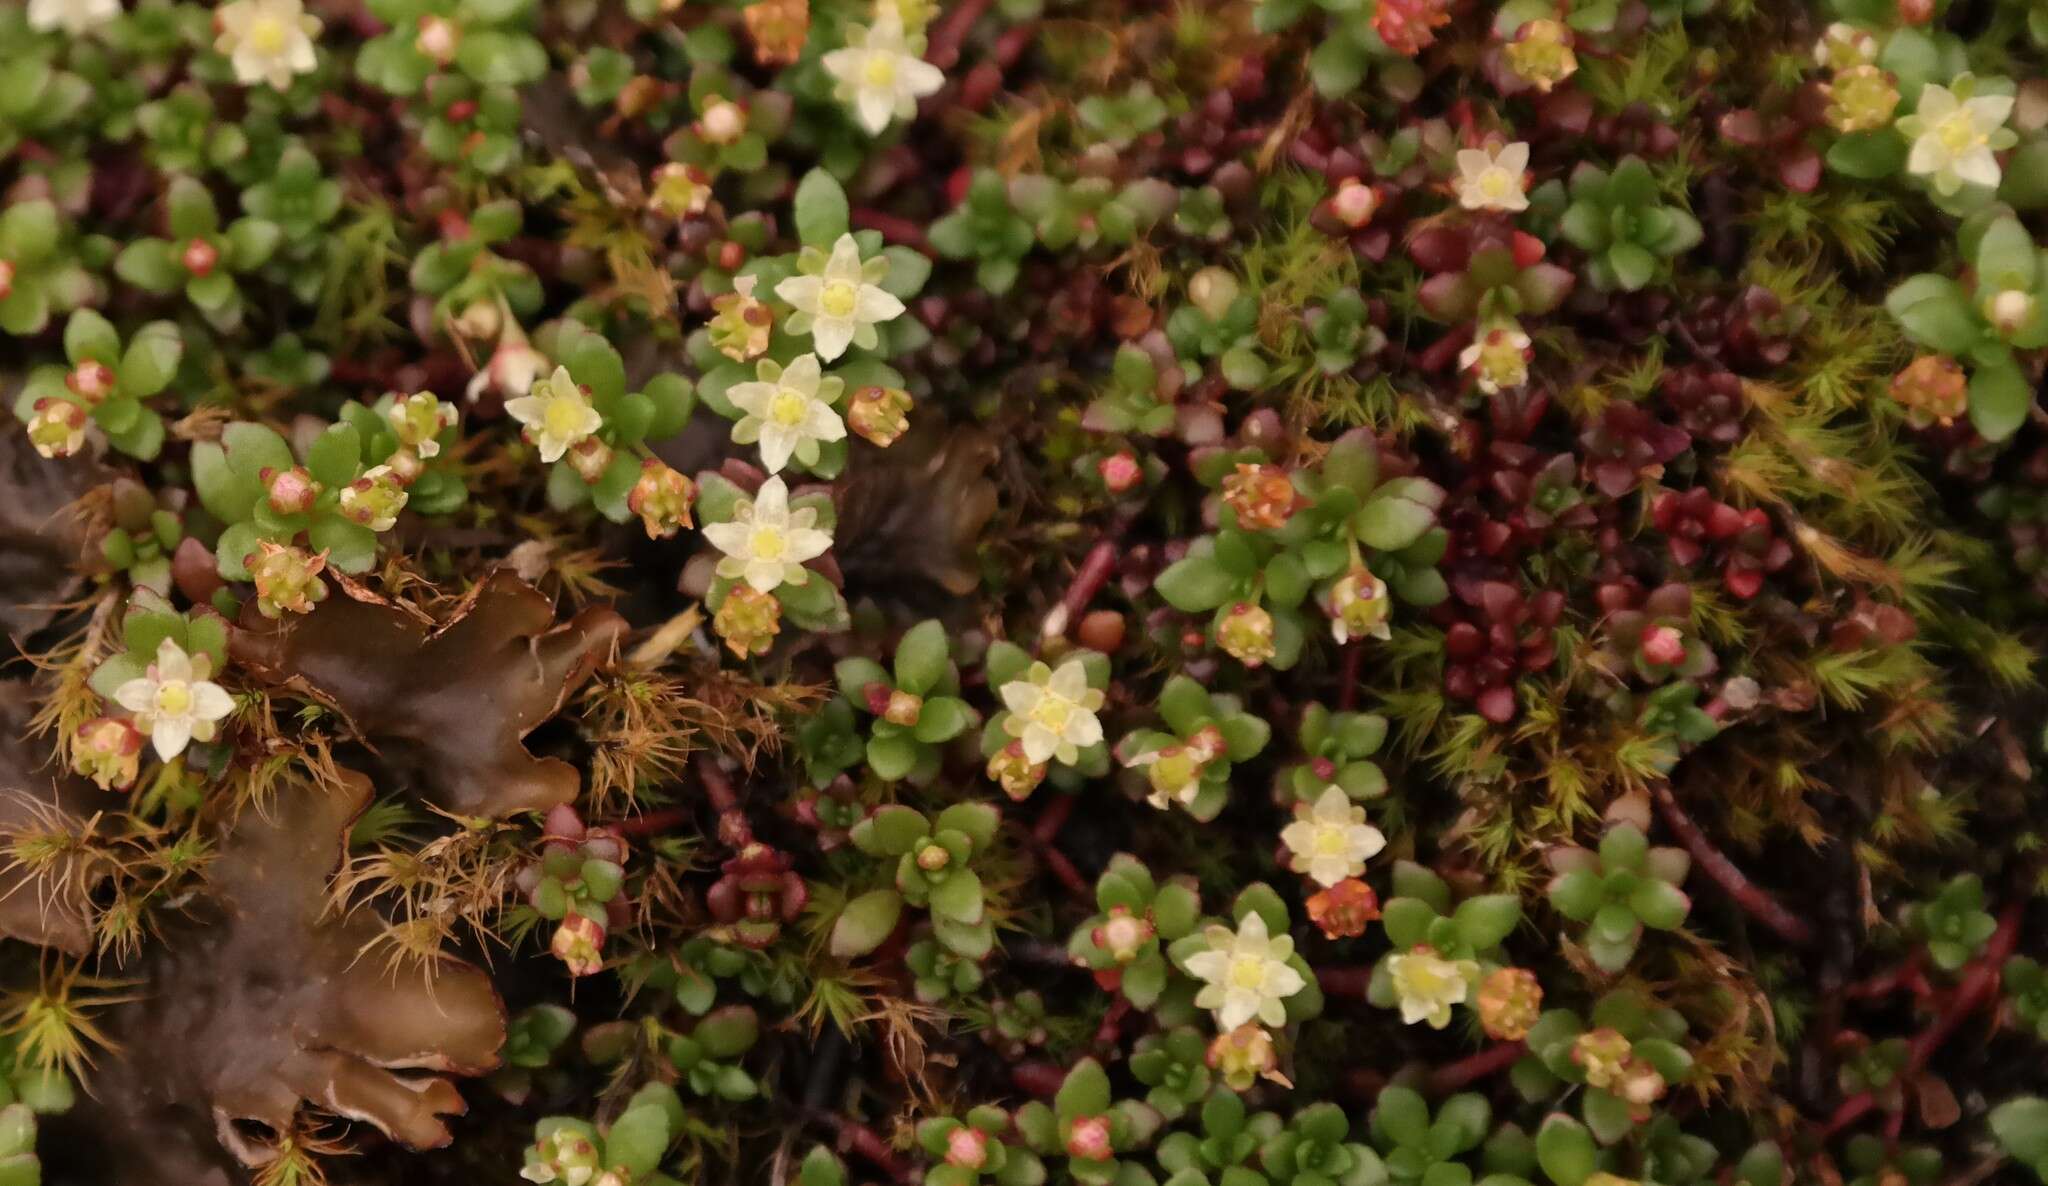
point(444, 705)
point(42, 533)
point(257, 1002)
point(49, 864)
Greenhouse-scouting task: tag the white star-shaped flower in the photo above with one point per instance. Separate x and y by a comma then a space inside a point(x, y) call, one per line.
point(1331, 840)
point(765, 542)
point(1954, 138)
point(76, 17)
point(788, 410)
point(173, 701)
point(1246, 973)
point(1491, 179)
point(839, 300)
point(556, 413)
point(266, 40)
point(1053, 712)
point(879, 73)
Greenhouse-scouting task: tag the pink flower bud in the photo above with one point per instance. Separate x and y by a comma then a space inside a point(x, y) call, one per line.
point(92, 382)
point(200, 257)
point(1120, 471)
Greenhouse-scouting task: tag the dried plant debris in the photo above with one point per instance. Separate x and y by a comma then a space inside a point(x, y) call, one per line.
point(43, 534)
point(256, 1004)
point(444, 704)
point(52, 826)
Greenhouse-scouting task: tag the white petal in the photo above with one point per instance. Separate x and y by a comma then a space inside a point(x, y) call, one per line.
point(831, 335)
point(1990, 111)
point(172, 663)
point(137, 695)
point(808, 543)
point(1927, 156)
point(1978, 167)
point(1514, 158)
point(751, 397)
point(777, 443)
point(920, 77)
point(210, 702)
point(875, 109)
point(170, 735)
point(729, 537)
point(1207, 965)
point(803, 374)
point(802, 292)
point(874, 304)
point(844, 263)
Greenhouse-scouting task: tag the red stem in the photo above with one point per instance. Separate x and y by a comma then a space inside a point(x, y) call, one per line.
point(1979, 982)
point(1088, 581)
point(1347, 690)
point(1053, 818)
point(733, 829)
point(1344, 982)
point(943, 50)
point(900, 231)
point(855, 1137)
point(1064, 870)
point(1755, 901)
point(1474, 1067)
point(1909, 975)
point(652, 823)
point(1112, 1022)
point(1041, 1078)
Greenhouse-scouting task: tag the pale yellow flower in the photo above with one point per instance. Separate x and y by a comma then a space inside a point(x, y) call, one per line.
point(1246, 973)
point(557, 415)
point(1491, 178)
point(765, 542)
point(1954, 138)
point(266, 40)
point(879, 74)
point(838, 300)
point(788, 410)
point(1331, 840)
point(1053, 712)
point(1427, 984)
point(173, 701)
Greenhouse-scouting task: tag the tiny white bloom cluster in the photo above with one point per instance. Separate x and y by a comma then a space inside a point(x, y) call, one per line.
point(557, 414)
point(765, 542)
point(267, 40)
point(76, 17)
point(1331, 840)
point(1052, 712)
point(879, 73)
point(1245, 973)
point(1492, 179)
point(173, 701)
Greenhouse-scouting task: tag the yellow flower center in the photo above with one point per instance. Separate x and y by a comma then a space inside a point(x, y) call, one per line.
point(838, 299)
point(268, 35)
point(767, 543)
point(564, 418)
point(1496, 184)
point(1247, 971)
point(174, 698)
point(1330, 841)
point(788, 406)
point(1053, 712)
point(880, 71)
point(1958, 133)
point(1429, 979)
